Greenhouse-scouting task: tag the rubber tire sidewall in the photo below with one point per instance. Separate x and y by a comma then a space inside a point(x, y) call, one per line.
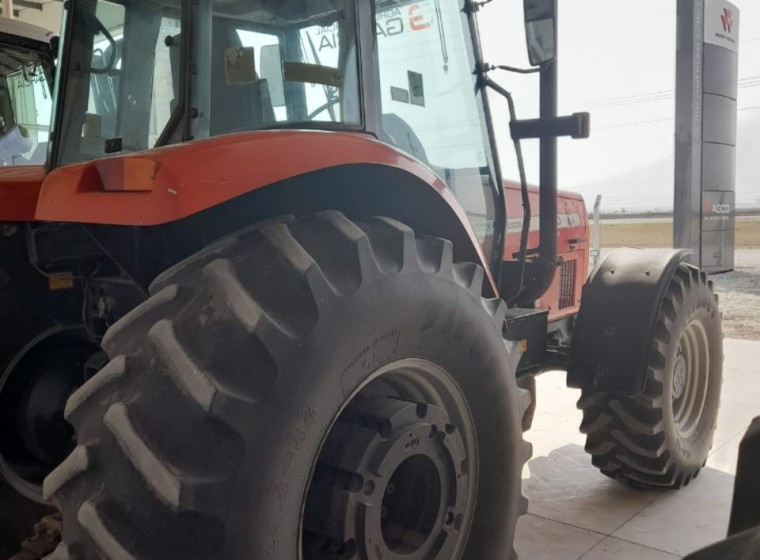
point(430, 318)
point(699, 305)
point(18, 513)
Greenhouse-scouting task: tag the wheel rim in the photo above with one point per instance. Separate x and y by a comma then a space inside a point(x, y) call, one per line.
point(691, 377)
point(396, 477)
point(23, 461)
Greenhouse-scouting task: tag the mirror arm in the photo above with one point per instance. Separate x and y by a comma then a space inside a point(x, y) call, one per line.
point(473, 6)
point(55, 43)
point(522, 255)
point(577, 125)
point(534, 70)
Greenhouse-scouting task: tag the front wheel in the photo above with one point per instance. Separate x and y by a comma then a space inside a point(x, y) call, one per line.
point(305, 390)
point(662, 437)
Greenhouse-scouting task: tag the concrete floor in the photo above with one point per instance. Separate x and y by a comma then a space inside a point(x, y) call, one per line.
point(577, 513)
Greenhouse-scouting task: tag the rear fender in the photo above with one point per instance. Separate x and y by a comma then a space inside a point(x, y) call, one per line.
point(19, 189)
point(256, 175)
point(616, 323)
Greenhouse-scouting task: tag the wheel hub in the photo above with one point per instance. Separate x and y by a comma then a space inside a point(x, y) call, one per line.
point(391, 483)
point(691, 378)
point(33, 395)
point(679, 377)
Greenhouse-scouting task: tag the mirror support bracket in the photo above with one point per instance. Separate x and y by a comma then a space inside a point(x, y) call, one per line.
point(576, 126)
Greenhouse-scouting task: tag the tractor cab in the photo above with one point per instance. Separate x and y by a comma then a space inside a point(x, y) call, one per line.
point(27, 65)
point(141, 75)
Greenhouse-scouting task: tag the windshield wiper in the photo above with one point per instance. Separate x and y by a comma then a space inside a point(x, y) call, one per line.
point(442, 36)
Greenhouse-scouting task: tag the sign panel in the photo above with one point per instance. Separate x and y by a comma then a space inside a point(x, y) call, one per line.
point(722, 24)
point(706, 109)
point(718, 211)
point(717, 250)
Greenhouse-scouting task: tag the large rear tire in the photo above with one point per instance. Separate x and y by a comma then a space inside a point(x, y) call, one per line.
point(303, 390)
point(662, 437)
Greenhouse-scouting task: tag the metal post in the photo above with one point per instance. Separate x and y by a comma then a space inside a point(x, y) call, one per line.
point(596, 243)
point(548, 165)
point(705, 141)
point(542, 268)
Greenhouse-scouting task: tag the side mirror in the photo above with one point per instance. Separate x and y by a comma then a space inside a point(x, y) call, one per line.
point(541, 30)
point(271, 71)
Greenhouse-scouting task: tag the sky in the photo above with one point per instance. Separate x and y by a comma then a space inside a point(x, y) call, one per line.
point(617, 61)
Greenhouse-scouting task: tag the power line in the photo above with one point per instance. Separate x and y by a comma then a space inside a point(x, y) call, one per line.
point(654, 98)
point(639, 123)
point(634, 123)
point(749, 81)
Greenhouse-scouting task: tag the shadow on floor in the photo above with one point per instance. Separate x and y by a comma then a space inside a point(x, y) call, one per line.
point(578, 513)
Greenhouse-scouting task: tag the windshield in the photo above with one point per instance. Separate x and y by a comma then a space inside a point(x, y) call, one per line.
point(432, 107)
point(25, 105)
point(255, 64)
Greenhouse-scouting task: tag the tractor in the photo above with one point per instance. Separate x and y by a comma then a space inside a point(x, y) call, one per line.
point(265, 298)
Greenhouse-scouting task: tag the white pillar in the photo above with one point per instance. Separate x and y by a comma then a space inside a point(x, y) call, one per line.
point(8, 9)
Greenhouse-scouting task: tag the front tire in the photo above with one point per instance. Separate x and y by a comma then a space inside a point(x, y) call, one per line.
point(661, 438)
point(307, 390)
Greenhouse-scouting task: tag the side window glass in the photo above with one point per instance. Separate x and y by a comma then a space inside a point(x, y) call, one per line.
point(266, 52)
point(263, 72)
point(102, 111)
point(321, 46)
point(25, 123)
point(134, 76)
point(166, 77)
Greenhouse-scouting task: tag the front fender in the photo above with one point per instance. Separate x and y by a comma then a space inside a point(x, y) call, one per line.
point(616, 323)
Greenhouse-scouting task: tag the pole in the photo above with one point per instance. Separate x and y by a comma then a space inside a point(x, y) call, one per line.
point(596, 244)
point(8, 9)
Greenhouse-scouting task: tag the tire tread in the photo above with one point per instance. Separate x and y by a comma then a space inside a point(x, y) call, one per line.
point(123, 466)
point(626, 435)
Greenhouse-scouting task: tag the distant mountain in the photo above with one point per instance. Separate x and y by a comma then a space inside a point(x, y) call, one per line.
point(650, 187)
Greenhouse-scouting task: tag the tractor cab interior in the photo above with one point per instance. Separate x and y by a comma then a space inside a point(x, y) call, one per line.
point(255, 65)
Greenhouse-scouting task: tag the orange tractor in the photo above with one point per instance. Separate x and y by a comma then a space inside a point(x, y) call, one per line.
point(262, 302)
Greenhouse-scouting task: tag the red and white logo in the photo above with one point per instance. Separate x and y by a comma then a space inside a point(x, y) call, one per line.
point(728, 20)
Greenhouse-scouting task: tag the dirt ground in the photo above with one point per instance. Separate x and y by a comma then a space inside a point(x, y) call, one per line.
point(739, 293)
point(660, 234)
point(739, 290)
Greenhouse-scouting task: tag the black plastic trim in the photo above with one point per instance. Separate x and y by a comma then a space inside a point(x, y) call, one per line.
point(616, 323)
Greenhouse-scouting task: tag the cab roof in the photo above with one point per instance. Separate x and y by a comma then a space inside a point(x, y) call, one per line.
point(20, 29)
